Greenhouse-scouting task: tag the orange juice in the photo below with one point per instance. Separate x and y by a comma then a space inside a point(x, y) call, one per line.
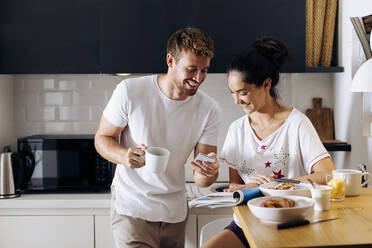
point(338, 189)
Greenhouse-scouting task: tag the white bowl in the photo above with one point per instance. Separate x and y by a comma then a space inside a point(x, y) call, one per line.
point(304, 207)
point(300, 190)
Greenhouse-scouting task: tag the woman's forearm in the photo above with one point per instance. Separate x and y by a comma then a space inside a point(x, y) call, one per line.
point(317, 177)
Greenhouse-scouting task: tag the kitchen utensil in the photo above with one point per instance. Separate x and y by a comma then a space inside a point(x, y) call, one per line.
point(7, 188)
point(302, 209)
point(302, 222)
point(311, 182)
point(322, 119)
point(285, 180)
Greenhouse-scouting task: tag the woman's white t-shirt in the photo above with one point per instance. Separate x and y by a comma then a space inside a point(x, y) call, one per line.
point(151, 118)
point(291, 151)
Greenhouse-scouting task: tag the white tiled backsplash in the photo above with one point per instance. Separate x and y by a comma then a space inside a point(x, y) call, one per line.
point(73, 104)
point(60, 103)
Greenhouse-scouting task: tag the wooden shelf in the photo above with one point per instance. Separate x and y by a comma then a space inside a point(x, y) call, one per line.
point(324, 69)
point(333, 147)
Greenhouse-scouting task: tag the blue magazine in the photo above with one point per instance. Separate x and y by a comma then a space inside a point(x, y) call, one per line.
point(226, 199)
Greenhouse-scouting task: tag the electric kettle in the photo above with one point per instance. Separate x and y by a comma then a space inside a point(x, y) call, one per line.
point(23, 167)
point(7, 187)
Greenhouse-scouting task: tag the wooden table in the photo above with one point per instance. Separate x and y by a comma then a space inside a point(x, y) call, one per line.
point(352, 229)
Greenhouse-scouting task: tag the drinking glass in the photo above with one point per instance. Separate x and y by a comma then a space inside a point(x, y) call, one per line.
point(338, 187)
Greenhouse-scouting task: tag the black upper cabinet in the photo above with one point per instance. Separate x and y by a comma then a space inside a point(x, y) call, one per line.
point(235, 25)
point(49, 36)
point(110, 36)
point(135, 32)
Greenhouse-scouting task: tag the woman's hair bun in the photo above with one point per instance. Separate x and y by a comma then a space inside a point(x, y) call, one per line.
point(272, 49)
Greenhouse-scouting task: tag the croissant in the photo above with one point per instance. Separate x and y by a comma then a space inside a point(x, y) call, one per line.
point(281, 203)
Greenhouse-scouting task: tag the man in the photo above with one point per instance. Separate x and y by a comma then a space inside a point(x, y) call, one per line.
point(148, 209)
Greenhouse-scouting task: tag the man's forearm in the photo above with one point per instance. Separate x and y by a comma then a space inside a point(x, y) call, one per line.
point(203, 181)
point(110, 149)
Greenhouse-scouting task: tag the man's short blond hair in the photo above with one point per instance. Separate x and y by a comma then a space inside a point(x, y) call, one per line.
point(190, 39)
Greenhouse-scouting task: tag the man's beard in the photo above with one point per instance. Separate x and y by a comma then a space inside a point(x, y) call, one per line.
point(182, 87)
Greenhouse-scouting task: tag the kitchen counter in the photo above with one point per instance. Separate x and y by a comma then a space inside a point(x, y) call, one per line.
point(81, 219)
point(58, 201)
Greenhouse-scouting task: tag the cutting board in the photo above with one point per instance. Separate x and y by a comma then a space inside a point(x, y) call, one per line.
point(322, 119)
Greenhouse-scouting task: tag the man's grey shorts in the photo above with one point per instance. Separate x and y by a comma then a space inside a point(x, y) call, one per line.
point(132, 232)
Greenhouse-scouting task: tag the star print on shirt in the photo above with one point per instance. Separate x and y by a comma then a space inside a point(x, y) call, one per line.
point(278, 174)
point(281, 157)
point(268, 164)
point(244, 169)
point(263, 147)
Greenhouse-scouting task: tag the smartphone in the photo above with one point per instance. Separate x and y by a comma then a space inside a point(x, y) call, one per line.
point(204, 158)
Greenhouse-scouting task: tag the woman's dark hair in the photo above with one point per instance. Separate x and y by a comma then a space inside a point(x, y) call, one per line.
point(263, 60)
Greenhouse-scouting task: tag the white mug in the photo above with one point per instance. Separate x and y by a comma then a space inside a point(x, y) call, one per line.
point(156, 159)
point(353, 180)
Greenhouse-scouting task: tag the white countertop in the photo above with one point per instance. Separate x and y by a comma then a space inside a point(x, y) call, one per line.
point(58, 201)
point(79, 200)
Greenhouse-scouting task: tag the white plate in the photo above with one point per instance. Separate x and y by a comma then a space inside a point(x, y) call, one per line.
point(303, 208)
point(300, 190)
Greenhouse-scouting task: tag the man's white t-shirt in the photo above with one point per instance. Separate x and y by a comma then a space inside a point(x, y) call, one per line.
point(289, 152)
point(152, 119)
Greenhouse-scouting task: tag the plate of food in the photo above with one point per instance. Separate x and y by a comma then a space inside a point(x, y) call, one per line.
point(285, 188)
point(280, 209)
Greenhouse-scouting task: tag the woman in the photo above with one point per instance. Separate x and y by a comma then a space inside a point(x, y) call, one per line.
point(273, 140)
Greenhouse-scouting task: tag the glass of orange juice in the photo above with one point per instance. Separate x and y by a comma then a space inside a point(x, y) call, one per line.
point(338, 187)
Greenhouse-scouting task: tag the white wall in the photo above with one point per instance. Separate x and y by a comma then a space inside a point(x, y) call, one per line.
point(348, 106)
point(6, 111)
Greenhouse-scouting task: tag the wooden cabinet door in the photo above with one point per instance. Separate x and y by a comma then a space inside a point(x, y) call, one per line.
point(46, 231)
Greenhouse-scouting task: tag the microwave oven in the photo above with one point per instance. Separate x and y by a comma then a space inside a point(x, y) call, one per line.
point(61, 163)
